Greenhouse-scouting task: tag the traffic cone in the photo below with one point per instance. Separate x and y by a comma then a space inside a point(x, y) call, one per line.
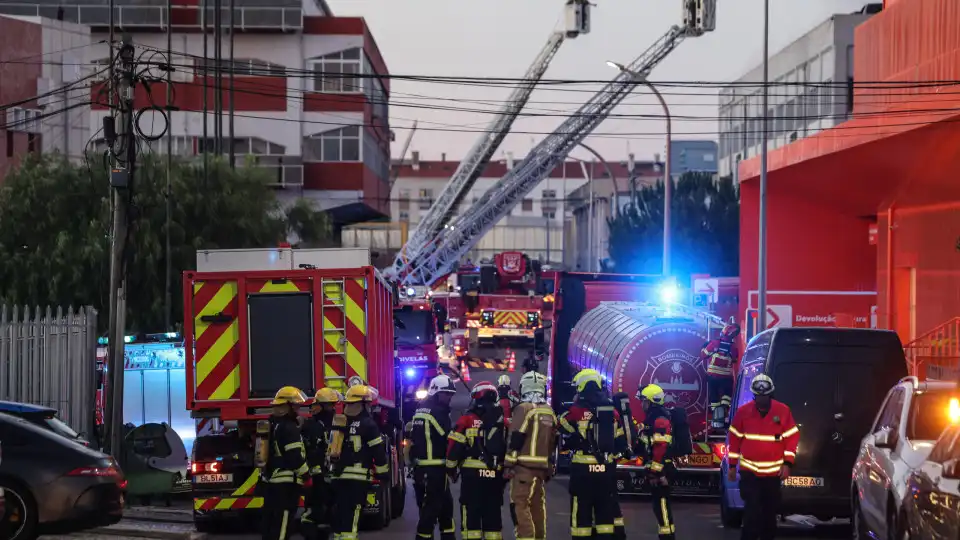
point(512, 364)
point(465, 371)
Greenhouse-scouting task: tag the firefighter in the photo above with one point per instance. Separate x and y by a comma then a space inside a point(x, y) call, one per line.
point(476, 451)
point(316, 437)
point(505, 394)
point(408, 459)
point(763, 442)
point(631, 429)
point(530, 363)
point(656, 440)
point(530, 462)
point(431, 427)
point(720, 355)
point(286, 466)
point(362, 459)
point(596, 438)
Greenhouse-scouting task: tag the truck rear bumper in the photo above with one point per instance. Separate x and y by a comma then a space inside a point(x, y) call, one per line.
point(504, 333)
point(687, 482)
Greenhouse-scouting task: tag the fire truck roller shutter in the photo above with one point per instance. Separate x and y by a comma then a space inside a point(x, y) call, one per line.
point(632, 344)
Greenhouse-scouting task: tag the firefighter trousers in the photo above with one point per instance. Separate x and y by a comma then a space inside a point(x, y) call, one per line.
point(528, 503)
point(761, 505)
point(663, 511)
point(720, 389)
point(437, 506)
point(619, 529)
point(593, 505)
point(280, 503)
point(350, 497)
point(481, 499)
point(318, 502)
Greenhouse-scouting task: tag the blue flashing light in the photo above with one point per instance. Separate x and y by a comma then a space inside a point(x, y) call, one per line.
point(410, 373)
point(669, 292)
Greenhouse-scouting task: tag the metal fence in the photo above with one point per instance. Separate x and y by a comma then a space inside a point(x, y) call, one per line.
point(49, 358)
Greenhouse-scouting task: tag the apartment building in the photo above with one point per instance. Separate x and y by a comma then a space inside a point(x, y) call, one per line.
point(811, 90)
point(309, 89)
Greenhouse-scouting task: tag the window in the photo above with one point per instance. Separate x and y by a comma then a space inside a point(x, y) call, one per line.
point(946, 447)
point(404, 216)
point(31, 142)
point(526, 205)
point(333, 146)
point(928, 416)
point(549, 214)
point(426, 199)
point(890, 414)
point(826, 101)
point(337, 72)
point(245, 67)
point(180, 146)
point(9, 136)
point(404, 199)
point(708, 157)
point(549, 194)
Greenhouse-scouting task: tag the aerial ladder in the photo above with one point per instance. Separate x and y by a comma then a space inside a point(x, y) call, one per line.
point(577, 22)
point(699, 17)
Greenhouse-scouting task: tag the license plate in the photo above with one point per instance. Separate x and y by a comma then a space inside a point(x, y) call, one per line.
point(803, 481)
point(700, 460)
point(212, 478)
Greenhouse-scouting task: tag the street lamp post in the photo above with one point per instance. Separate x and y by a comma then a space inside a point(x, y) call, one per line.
point(762, 251)
point(667, 180)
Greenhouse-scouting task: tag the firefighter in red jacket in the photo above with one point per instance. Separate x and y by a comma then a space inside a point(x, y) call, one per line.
point(763, 440)
point(656, 438)
point(720, 356)
point(476, 451)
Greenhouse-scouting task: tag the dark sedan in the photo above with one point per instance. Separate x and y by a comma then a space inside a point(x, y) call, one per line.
point(931, 505)
point(44, 417)
point(53, 485)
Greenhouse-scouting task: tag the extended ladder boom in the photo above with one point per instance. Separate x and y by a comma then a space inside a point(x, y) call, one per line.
point(471, 167)
point(497, 202)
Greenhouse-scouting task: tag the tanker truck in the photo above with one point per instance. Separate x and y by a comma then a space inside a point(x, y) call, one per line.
point(633, 334)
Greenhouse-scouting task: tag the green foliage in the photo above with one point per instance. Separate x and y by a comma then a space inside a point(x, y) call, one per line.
point(705, 226)
point(55, 230)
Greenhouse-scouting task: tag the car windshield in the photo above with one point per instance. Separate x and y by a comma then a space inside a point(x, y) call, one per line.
point(60, 427)
point(418, 328)
point(928, 415)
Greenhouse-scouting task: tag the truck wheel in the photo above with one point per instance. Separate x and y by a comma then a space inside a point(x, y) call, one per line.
point(729, 517)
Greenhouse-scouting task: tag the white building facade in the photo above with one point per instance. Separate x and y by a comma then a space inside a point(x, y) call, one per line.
point(310, 91)
point(811, 90)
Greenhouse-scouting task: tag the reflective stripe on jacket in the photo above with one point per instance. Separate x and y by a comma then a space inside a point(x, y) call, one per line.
point(763, 443)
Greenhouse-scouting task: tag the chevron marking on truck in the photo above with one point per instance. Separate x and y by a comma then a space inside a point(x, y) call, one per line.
point(356, 326)
point(230, 503)
point(217, 362)
point(334, 347)
point(518, 318)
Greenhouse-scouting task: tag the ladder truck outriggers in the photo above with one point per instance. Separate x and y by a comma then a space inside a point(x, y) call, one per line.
point(457, 238)
point(432, 225)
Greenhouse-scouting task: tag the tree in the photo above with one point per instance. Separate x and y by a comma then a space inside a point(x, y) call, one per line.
point(705, 219)
point(55, 226)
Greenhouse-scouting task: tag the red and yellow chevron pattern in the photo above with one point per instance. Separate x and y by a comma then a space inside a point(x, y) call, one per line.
point(504, 317)
point(241, 498)
point(216, 353)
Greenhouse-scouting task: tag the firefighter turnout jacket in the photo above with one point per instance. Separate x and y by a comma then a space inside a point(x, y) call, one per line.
point(431, 426)
point(364, 454)
point(316, 435)
point(533, 436)
point(720, 356)
point(287, 463)
point(656, 439)
point(760, 443)
point(477, 444)
point(597, 436)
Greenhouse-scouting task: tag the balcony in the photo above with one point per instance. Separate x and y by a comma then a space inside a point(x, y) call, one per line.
point(143, 15)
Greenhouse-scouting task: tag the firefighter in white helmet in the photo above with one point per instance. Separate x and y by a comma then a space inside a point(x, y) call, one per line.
point(431, 428)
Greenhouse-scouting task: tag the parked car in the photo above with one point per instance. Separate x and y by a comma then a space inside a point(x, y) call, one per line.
point(834, 381)
point(930, 510)
point(913, 415)
point(45, 417)
point(52, 485)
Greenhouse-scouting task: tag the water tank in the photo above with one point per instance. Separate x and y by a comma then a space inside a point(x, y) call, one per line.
point(632, 343)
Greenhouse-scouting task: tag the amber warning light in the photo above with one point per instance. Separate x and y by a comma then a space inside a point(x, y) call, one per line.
point(953, 411)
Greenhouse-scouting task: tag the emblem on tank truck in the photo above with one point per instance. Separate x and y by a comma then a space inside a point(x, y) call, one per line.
point(679, 374)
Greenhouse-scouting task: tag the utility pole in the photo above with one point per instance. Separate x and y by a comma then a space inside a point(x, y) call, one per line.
point(120, 136)
point(233, 71)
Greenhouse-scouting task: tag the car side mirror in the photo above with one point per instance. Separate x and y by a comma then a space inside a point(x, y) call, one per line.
point(951, 469)
point(885, 439)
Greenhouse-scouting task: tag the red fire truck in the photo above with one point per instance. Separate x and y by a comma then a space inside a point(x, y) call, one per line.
point(416, 336)
point(261, 319)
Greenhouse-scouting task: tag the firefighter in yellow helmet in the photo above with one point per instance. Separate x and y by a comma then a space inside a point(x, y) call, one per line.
point(362, 459)
point(316, 436)
point(286, 467)
point(596, 439)
point(656, 443)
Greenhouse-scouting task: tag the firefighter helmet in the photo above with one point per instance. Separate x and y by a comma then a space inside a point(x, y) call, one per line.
point(586, 377)
point(289, 394)
point(484, 389)
point(441, 384)
point(652, 393)
point(503, 380)
point(533, 381)
point(730, 331)
point(327, 395)
point(361, 393)
point(762, 385)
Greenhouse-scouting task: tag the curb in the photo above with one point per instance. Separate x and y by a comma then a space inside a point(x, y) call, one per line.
point(142, 533)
